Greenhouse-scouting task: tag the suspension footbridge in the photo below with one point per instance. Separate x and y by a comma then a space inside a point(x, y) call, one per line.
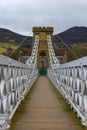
point(42, 108)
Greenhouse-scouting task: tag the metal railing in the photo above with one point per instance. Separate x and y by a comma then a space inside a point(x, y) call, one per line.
point(71, 80)
point(16, 79)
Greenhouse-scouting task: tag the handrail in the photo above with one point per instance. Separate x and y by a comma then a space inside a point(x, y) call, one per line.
point(16, 79)
point(71, 80)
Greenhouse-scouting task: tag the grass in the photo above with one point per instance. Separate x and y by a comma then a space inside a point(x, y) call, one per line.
point(2, 50)
point(80, 50)
point(4, 47)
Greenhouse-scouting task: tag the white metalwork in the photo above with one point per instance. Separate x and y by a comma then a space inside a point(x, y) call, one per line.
point(32, 61)
point(15, 81)
point(17, 78)
point(53, 58)
point(71, 80)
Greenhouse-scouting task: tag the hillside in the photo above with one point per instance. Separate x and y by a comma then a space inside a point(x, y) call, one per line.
point(73, 35)
point(7, 36)
point(76, 37)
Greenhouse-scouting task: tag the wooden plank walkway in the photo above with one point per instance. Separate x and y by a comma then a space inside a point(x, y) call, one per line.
point(45, 109)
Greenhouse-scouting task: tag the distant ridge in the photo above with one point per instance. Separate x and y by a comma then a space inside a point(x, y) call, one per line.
point(7, 36)
point(73, 35)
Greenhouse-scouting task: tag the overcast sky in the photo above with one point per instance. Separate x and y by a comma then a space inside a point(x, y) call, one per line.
point(21, 15)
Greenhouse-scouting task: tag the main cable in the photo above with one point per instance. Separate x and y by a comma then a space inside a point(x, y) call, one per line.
point(67, 46)
point(20, 44)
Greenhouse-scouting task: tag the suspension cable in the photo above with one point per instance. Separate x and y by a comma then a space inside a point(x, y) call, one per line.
point(67, 46)
point(20, 44)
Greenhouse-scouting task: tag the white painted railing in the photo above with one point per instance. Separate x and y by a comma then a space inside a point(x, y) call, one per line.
point(71, 80)
point(15, 81)
point(53, 59)
point(33, 58)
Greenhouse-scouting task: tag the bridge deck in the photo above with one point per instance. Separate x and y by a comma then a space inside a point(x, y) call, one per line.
point(45, 109)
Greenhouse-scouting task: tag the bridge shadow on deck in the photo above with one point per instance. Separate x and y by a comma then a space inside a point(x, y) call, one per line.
point(45, 109)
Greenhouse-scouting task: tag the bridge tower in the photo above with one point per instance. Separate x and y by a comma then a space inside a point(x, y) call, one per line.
point(43, 61)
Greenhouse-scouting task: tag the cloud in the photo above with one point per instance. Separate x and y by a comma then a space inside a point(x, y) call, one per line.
point(21, 15)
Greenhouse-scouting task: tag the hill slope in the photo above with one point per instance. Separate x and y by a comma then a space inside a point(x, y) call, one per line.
point(70, 36)
point(73, 35)
point(7, 36)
